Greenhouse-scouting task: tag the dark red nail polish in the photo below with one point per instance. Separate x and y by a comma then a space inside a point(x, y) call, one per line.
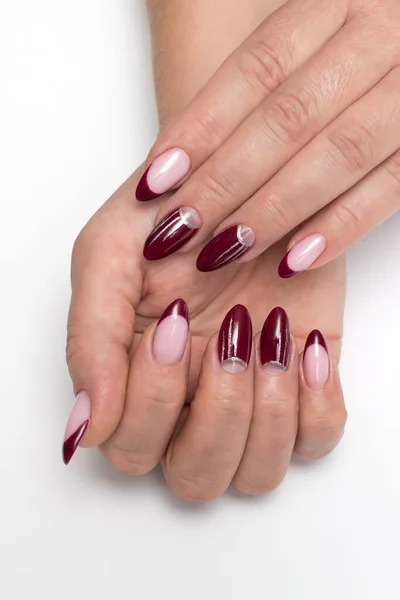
point(315, 337)
point(225, 247)
point(284, 270)
point(177, 308)
point(235, 339)
point(172, 233)
point(143, 192)
point(275, 339)
point(71, 444)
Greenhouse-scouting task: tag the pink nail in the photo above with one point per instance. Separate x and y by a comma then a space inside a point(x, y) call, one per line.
point(316, 361)
point(302, 255)
point(171, 334)
point(76, 426)
point(165, 171)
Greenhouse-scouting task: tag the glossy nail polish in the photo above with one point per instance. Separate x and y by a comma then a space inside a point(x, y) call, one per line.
point(275, 341)
point(164, 172)
point(235, 340)
point(316, 361)
point(226, 247)
point(302, 255)
point(172, 233)
point(171, 334)
point(76, 426)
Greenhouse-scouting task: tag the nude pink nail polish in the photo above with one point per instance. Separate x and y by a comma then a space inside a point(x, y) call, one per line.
point(164, 172)
point(316, 361)
point(76, 425)
point(302, 255)
point(171, 335)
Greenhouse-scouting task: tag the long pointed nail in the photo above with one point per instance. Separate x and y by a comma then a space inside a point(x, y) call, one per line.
point(76, 426)
point(275, 342)
point(226, 247)
point(172, 233)
point(164, 172)
point(235, 340)
point(171, 334)
point(316, 361)
point(302, 255)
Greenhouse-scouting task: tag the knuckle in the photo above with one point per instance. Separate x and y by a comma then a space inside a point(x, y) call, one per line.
point(278, 410)
point(277, 211)
point(352, 148)
point(262, 66)
point(256, 487)
point(321, 434)
point(130, 462)
point(209, 130)
point(349, 214)
point(291, 115)
point(217, 190)
point(234, 408)
point(194, 487)
point(392, 167)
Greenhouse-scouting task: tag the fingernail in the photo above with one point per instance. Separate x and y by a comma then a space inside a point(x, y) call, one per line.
point(172, 233)
point(316, 361)
point(225, 247)
point(163, 173)
point(171, 333)
point(302, 255)
point(235, 338)
point(76, 426)
point(275, 342)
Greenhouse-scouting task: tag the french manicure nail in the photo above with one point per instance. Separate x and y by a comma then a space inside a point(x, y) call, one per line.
point(316, 361)
point(76, 425)
point(171, 333)
point(225, 247)
point(275, 342)
point(235, 340)
point(164, 172)
point(172, 233)
point(302, 255)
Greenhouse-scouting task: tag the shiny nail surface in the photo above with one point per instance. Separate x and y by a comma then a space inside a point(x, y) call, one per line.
point(302, 255)
point(226, 247)
point(76, 425)
point(171, 334)
point(235, 340)
point(316, 361)
point(275, 341)
point(164, 172)
point(172, 233)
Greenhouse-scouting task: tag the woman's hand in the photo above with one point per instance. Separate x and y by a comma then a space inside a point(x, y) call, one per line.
point(135, 365)
point(301, 123)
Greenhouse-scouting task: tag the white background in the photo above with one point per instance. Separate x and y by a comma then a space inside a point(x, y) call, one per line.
point(76, 117)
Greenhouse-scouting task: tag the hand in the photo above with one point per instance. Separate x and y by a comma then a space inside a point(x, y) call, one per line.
point(301, 123)
point(130, 375)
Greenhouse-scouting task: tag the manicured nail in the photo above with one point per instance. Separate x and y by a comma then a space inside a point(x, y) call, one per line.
point(225, 247)
point(171, 333)
point(172, 233)
point(275, 342)
point(316, 361)
point(302, 255)
point(163, 173)
point(235, 339)
point(76, 426)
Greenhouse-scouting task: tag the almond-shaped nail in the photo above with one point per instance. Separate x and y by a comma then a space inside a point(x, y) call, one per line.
point(235, 340)
point(316, 361)
point(302, 255)
point(164, 172)
point(171, 334)
point(76, 425)
point(172, 233)
point(275, 341)
point(226, 247)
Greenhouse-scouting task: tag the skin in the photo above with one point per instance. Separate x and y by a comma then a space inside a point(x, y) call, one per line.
point(117, 296)
point(298, 129)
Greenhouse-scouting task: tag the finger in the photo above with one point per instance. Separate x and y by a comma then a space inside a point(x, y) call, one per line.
point(203, 458)
point(274, 424)
point(155, 395)
point(343, 222)
point(322, 415)
point(365, 135)
point(283, 42)
point(100, 334)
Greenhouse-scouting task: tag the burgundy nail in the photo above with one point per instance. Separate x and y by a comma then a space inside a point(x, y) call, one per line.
point(225, 247)
point(71, 444)
point(143, 192)
point(315, 337)
point(172, 233)
point(284, 270)
point(235, 340)
point(275, 340)
point(177, 308)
